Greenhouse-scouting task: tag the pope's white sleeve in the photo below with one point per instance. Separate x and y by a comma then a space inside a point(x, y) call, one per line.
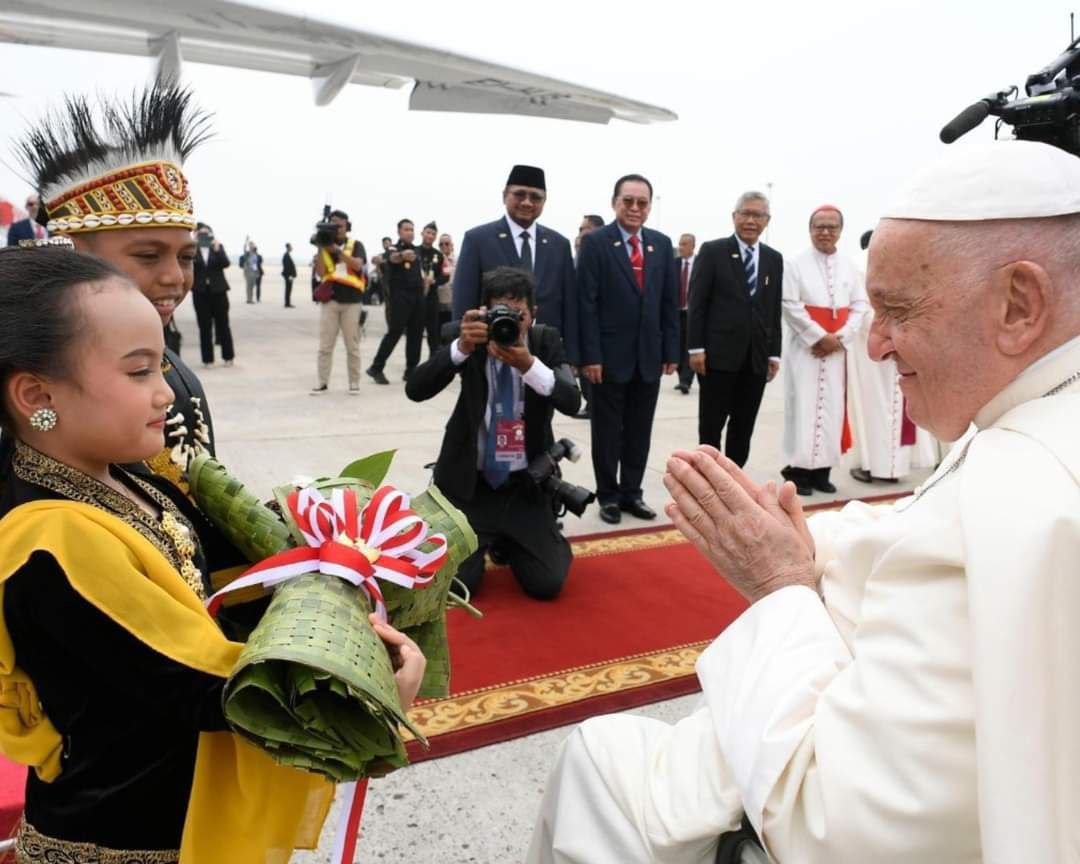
point(762, 678)
point(1021, 527)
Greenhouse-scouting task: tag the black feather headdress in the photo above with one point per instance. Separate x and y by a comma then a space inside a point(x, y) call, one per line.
point(84, 141)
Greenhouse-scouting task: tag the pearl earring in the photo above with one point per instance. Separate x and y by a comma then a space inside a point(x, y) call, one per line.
point(43, 419)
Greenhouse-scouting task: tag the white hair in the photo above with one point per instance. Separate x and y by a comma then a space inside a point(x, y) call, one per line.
point(752, 195)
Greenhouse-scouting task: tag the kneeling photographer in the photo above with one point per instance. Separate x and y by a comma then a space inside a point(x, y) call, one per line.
point(513, 376)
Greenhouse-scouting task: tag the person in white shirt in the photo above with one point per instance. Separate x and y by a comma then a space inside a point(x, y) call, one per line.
point(904, 686)
point(887, 445)
point(824, 304)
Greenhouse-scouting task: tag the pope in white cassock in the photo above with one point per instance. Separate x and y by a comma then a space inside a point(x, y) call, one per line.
point(905, 686)
point(823, 307)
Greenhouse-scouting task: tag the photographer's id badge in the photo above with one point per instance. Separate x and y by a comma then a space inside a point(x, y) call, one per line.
point(510, 441)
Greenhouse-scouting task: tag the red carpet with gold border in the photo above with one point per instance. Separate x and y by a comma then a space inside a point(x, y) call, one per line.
point(638, 608)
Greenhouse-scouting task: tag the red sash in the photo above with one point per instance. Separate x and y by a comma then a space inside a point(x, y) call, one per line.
point(831, 321)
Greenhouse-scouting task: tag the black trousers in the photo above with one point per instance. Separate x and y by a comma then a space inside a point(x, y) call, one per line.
point(518, 516)
point(621, 423)
point(288, 290)
point(730, 396)
point(258, 288)
point(432, 322)
point(404, 314)
point(686, 374)
point(212, 314)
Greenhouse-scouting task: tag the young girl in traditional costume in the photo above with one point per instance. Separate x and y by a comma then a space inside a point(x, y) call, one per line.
point(111, 670)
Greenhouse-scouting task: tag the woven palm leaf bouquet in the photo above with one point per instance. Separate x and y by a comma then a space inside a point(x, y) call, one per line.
point(314, 684)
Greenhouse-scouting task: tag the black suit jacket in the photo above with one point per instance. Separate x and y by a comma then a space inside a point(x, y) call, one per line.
point(486, 247)
point(455, 470)
point(21, 230)
point(623, 328)
point(724, 319)
point(210, 275)
point(288, 268)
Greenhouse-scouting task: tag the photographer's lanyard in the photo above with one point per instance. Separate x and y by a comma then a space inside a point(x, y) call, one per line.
point(505, 423)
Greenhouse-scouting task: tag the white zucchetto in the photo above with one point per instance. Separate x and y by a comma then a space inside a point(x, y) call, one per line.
point(1007, 179)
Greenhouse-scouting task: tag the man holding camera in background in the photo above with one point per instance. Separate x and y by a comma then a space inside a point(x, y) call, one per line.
point(404, 303)
point(209, 292)
point(511, 382)
point(340, 267)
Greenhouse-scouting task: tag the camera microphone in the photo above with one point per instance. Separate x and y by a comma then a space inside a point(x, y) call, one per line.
point(965, 121)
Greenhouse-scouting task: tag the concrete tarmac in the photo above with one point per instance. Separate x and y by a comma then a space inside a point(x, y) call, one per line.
point(478, 806)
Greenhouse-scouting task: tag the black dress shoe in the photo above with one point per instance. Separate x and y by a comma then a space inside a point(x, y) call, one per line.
point(864, 476)
point(376, 375)
point(638, 508)
point(824, 486)
point(682, 388)
point(610, 514)
point(803, 490)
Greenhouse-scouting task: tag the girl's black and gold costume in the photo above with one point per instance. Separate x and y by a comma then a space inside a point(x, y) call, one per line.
point(110, 682)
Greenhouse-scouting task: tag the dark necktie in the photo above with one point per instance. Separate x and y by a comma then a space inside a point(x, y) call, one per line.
point(684, 284)
point(751, 271)
point(637, 261)
point(526, 252)
point(502, 408)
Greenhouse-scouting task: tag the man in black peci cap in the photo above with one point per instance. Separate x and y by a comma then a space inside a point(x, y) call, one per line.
point(515, 239)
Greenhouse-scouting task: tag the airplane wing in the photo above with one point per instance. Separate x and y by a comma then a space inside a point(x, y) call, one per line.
point(228, 33)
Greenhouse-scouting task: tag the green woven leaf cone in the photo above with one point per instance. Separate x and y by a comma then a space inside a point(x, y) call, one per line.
point(420, 613)
point(314, 685)
point(251, 527)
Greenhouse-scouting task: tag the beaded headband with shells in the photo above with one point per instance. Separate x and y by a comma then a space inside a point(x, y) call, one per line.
point(118, 166)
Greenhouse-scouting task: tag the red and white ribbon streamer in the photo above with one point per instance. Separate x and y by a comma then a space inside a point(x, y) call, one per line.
point(381, 542)
point(348, 827)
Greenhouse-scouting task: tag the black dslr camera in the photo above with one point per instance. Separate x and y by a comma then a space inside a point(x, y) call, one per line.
point(504, 325)
point(544, 471)
point(1050, 111)
point(325, 231)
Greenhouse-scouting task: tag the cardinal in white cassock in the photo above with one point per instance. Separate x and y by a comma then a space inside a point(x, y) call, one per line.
point(905, 685)
point(823, 307)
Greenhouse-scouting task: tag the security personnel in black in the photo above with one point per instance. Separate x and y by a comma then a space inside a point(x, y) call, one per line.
point(405, 305)
point(431, 264)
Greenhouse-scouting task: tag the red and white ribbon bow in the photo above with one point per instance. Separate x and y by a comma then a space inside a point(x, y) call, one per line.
point(381, 542)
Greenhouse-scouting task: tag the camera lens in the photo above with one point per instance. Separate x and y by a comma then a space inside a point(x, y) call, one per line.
point(504, 330)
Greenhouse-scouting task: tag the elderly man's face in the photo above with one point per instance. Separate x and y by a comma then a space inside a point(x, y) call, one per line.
point(931, 315)
point(825, 228)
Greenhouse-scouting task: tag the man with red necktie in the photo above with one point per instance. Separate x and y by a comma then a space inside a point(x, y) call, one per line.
point(629, 335)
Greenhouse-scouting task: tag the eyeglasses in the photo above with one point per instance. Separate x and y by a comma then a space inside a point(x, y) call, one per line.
point(445, 243)
point(753, 214)
point(629, 202)
point(823, 228)
point(523, 194)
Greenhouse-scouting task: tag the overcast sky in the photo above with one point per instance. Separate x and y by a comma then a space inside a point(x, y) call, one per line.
point(828, 101)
